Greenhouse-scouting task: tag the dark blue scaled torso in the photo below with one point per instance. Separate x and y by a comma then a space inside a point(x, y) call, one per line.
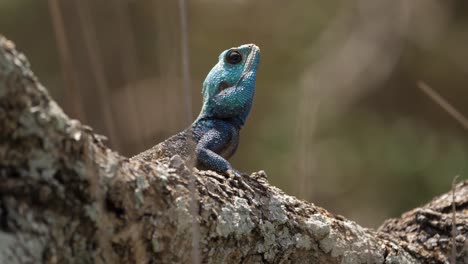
point(217, 141)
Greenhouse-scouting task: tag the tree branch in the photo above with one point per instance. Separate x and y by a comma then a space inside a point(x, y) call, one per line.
point(67, 198)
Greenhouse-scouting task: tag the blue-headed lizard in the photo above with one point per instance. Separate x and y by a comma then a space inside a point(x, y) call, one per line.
point(213, 137)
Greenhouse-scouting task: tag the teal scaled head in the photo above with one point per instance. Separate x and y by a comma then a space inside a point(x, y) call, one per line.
point(229, 87)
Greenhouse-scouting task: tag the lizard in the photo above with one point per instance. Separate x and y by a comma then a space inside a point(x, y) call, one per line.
point(213, 137)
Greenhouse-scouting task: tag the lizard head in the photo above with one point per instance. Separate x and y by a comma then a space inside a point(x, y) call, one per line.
point(230, 85)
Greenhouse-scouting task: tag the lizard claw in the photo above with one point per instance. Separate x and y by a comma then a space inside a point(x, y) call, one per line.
point(233, 174)
point(238, 178)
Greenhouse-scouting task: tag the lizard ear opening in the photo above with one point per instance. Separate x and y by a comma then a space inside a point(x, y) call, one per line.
point(222, 85)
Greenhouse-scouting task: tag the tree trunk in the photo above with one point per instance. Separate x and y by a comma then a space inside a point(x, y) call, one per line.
point(66, 198)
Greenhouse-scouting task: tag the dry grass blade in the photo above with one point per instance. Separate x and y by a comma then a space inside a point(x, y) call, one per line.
point(369, 254)
point(459, 117)
point(68, 71)
point(186, 78)
point(185, 56)
point(454, 223)
point(126, 38)
point(102, 88)
point(465, 249)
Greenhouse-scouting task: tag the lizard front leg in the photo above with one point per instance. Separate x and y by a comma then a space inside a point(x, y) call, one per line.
point(207, 149)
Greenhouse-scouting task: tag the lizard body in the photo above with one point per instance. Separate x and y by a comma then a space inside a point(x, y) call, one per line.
point(213, 137)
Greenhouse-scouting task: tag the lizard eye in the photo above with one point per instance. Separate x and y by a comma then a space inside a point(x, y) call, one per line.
point(233, 57)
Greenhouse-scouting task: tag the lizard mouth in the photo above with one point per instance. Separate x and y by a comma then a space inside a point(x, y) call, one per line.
point(252, 60)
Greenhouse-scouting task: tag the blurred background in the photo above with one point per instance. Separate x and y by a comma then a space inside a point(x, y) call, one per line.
point(338, 118)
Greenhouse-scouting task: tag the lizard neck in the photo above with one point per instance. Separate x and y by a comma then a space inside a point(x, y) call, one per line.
point(237, 121)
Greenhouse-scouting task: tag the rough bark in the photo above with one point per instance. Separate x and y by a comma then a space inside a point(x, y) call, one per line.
point(66, 198)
